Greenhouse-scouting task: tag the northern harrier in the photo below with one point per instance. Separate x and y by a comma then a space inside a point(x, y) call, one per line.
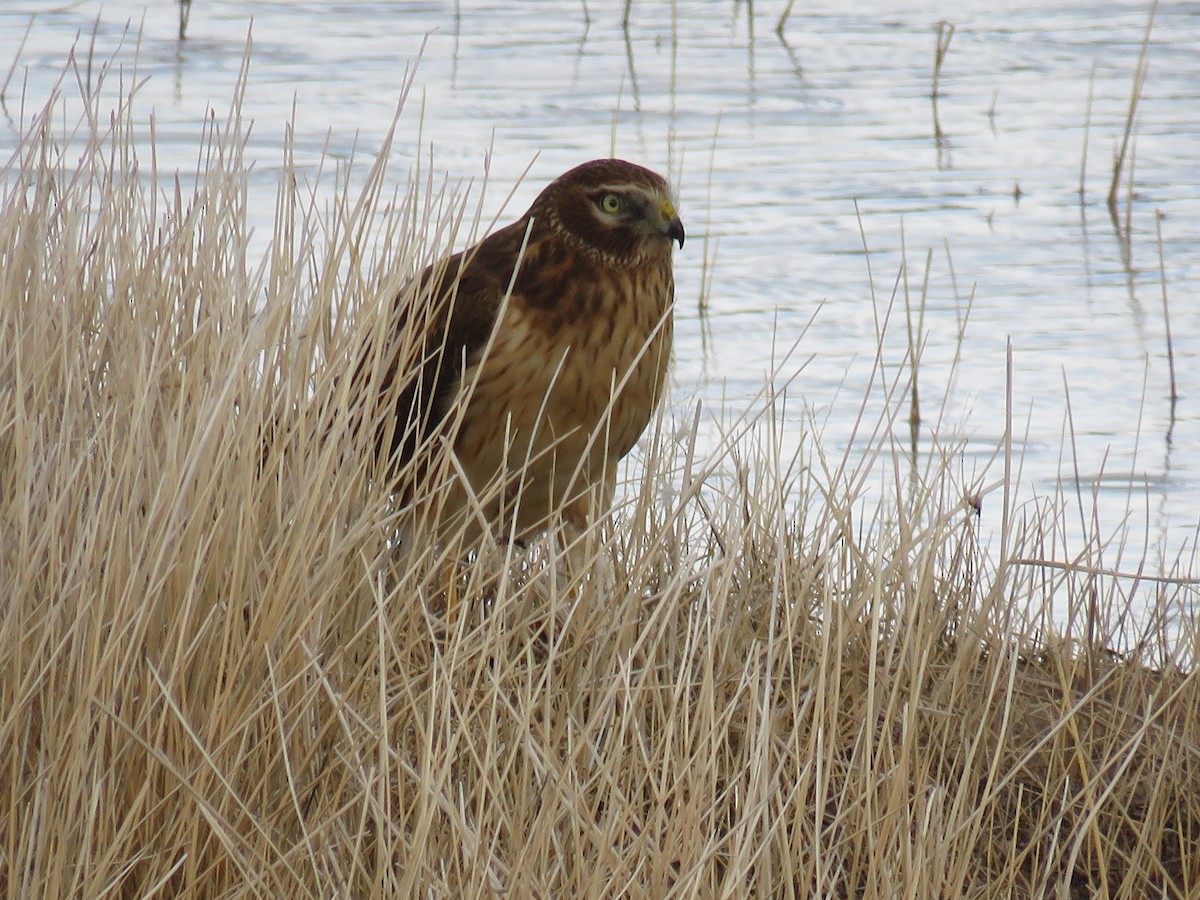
point(538, 355)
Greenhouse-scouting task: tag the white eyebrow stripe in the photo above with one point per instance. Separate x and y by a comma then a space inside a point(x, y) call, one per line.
point(625, 188)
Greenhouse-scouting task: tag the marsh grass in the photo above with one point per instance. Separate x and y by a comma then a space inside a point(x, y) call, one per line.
point(775, 671)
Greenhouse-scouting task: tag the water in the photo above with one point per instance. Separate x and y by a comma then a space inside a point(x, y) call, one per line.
point(788, 155)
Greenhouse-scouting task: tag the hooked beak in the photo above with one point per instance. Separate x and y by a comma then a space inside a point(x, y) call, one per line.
point(672, 226)
point(675, 231)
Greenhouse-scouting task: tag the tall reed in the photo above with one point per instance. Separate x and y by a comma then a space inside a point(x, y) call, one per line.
point(226, 666)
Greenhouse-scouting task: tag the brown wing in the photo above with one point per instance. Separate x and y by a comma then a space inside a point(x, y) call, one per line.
point(441, 323)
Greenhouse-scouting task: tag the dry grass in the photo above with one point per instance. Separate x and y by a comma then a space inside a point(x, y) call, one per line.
point(220, 677)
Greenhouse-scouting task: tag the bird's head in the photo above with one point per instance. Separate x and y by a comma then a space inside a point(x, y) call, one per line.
point(618, 211)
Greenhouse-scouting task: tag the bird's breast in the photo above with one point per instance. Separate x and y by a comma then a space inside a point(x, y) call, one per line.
point(551, 381)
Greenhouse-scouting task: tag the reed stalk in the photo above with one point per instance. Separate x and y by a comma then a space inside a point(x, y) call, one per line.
point(226, 671)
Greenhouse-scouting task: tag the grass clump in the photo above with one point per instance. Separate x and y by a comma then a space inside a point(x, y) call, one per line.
point(219, 675)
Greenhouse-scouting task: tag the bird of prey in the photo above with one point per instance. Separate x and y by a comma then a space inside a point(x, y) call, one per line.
point(537, 357)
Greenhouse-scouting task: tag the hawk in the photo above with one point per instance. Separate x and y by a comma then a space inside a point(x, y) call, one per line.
point(537, 357)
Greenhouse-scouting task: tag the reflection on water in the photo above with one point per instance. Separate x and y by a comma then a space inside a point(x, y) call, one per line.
point(795, 153)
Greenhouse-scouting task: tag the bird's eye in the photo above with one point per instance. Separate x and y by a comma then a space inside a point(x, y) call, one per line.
point(611, 203)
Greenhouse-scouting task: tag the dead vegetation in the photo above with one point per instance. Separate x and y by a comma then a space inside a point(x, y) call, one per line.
point(222, 676)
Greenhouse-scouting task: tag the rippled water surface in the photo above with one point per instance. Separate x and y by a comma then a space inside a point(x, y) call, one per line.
point(789, 153)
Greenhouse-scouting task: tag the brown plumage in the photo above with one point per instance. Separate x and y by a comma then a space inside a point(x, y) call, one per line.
point(542, 389)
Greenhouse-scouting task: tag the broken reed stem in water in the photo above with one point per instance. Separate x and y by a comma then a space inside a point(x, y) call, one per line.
point(185, 12)
point(945, 32)
point(781, 24)
point(1162, 277)
point(1139, 82)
